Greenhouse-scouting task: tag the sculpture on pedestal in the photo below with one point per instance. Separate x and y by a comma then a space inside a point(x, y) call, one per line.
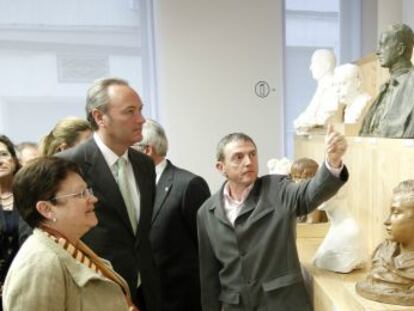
point(392, 113)
point(324, 103)
point(341, 250)
point(347, 79)
point(391, 278)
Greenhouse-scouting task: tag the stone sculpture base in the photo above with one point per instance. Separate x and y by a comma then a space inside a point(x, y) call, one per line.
point(385, 294)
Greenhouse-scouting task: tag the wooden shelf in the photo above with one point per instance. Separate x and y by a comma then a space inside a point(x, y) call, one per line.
point(336, 291)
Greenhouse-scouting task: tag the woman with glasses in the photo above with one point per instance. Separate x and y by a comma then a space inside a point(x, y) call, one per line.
point(54, 269)
point(9, 217)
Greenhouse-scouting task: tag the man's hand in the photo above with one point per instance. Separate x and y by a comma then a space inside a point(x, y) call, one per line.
point(336, 146)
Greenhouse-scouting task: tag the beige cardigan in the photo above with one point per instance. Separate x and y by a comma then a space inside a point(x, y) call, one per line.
point(43, 276)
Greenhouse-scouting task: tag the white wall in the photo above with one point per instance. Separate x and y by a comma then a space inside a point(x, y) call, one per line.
point(407, 12)
point(369, 35)
point(389, 12)
point(210, 56)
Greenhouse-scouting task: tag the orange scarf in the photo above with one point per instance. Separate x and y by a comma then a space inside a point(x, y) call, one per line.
point(82, 253)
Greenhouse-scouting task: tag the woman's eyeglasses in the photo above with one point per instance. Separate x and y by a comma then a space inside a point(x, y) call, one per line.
point(86, 193)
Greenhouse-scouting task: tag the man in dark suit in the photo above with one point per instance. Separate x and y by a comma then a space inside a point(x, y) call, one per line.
point(173, 235)
point(248, 256)
point(123, 180)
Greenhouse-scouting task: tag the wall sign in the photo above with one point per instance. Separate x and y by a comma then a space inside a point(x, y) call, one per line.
point(262, 89)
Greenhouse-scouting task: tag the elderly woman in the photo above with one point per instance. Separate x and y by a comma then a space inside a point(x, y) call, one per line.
point(67, 133)
point(11, 226)
point(54, 270)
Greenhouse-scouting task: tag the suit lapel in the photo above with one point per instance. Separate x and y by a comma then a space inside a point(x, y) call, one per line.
point(105, 185)
point(164, 186)
point(143, 182)
point(217, 207)
point(251, 200)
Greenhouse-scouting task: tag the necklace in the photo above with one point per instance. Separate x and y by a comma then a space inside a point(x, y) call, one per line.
point(7, 202)
point(6, 197)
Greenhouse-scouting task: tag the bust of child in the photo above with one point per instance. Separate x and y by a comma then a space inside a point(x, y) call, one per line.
point(391, 278)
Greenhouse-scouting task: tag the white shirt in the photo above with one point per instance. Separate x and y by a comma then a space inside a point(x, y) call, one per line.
point(111, 158)
point(233, 207)
point(159, 169)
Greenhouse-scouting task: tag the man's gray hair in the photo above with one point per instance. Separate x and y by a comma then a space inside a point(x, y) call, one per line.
point(97, 97)
point(228, 139)
point(154, 135)
point(404, 34)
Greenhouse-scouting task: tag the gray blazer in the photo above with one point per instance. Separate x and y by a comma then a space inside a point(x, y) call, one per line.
point(113, 237)
point(254, 265)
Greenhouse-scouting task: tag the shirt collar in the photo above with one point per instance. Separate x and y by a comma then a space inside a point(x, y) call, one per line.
point(246, 192)
point(398, 75)
point(159, 169)
point(109, 156)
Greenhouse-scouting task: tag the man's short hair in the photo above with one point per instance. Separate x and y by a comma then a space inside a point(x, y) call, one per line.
point(97, 97)
point(228, 139)
point(403, 33)
point(154, 135)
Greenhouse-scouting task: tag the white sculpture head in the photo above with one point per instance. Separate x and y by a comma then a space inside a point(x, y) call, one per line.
point(279, 166)
point(323, 62)
point(347, 78)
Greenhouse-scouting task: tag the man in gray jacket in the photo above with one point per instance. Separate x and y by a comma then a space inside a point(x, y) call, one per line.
point(246, 231)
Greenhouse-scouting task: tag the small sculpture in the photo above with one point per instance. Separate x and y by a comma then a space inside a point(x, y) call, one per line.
point(301, 170)
point(347, 78)
point(279, 167)
point(341, 250)
point(391, 278)
point(392, 113)
point(324, 103)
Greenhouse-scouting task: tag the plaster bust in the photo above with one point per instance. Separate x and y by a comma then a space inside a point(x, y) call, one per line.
point(324, 102)
point(392, 113)
point(391, 278)
point(341, 250)
point(347, 79)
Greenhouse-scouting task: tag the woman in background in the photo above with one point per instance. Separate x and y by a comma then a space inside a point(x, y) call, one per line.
point(67, 133)
point(11, 227)
point(54, 269)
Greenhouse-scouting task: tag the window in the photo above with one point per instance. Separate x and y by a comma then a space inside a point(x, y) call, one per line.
point(311, 25)
point(50, 52)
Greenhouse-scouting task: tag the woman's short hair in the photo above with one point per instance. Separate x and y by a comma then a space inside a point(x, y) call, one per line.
point(66, 131)
point(38, 181)
point(10, 148)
